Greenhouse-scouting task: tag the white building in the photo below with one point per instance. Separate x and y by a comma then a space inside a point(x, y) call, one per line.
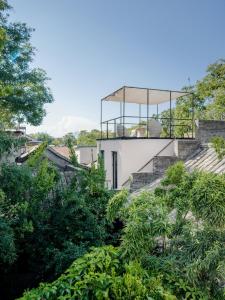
point(129, 143)
point(86, 155)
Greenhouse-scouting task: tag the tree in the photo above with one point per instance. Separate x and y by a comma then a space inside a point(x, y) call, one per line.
point(46, 224)
point(88, 137)
point(218, 143)
point(103, 274)
point(23, 90)
point(211, 89)
point(172, 246)
point(43, 136)
point(206, 98)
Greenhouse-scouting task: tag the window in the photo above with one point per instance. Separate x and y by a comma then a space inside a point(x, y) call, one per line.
point(114, 170)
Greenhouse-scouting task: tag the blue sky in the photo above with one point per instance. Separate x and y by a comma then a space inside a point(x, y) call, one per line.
point(90, 48)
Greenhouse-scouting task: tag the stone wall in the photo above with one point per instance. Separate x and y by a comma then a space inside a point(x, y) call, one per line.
point(161, 163)
point(185, 148)
point(141, 179)
point(205, 130)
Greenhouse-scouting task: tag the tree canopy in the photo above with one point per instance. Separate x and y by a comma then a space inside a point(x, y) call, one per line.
point(23, 90)
point(172, 246)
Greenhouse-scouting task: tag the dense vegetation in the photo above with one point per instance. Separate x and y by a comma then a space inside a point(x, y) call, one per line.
point(172, 246)
point(82, 138)
point(45, 225)
point(218, 143)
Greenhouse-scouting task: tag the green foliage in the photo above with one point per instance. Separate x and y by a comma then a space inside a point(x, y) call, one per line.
point(207, 199)
point(116, 205)
point(102, 274)
point(211, 90)
point(7, 245)
point(47, 225)
point(172, 243)
point(8, 142)
point(23, 90)
point(175, 174)
point(88, 137)
point(63, 141)
point(36, 157)
point(218, 143)
point(198, 236)
point(146, 221)
point(206, 98)
point(42, 136)
point(73, 156)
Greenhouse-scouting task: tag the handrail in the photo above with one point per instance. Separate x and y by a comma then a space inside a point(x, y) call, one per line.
point(170, 142)
point(142, 117)
point(111, 120)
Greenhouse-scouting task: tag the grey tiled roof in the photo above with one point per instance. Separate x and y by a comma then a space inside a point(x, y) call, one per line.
point(206, 159)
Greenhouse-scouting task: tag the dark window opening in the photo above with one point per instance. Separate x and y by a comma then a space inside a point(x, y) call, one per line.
point(114, 170)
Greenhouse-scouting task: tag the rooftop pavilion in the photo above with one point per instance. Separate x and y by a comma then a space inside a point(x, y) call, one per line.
point(150, 122)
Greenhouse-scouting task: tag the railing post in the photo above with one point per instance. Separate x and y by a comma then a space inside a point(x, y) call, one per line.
point(193, 115)
point(114, 127)
point(101, 119)
point(139, 113)
point(107, 130)
point(123, 111)
point(147, 112)
point(170, 117)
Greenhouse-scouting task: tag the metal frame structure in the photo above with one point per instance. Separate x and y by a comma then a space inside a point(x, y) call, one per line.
point(123, 116)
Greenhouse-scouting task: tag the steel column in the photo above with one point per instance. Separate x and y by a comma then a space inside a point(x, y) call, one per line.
point(147, 111)
point(139, 113)
point(101, 118)
point(170, 117)
point(123, 111)
point(193, 114)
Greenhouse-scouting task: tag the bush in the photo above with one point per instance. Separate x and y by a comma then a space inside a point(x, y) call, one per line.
point(219, 146)
point(174, 174)
point(172, 247)
point(102, 274)
point(116, 205)
point(47, 226)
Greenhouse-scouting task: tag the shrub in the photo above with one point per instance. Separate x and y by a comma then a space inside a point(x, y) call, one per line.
point(116, 205)
point(102, 274)
point(219, 146)
point(174, 174)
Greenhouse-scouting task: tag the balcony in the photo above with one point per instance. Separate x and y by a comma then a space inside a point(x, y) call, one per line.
point(155, 118)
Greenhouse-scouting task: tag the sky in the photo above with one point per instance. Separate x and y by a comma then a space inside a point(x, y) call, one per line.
point(90, 48)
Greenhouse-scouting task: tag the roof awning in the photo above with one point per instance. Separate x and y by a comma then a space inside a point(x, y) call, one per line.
point(140, 95)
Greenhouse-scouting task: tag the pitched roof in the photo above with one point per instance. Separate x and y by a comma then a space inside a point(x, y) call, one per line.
point(62, 151)
point(206, 159)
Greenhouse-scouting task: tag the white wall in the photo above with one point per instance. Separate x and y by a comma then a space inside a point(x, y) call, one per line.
point(132, 155)
point(86, 155)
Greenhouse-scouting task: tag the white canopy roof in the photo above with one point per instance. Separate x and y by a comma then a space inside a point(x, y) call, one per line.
point(139, 95)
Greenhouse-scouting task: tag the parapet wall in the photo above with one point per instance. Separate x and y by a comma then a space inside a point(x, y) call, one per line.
point(206, 129)
point(185, 148)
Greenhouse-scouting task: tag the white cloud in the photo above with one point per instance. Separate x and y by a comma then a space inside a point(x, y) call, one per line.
point(64, 125)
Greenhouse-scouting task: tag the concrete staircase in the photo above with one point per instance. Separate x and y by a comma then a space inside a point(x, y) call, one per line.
point(196, 153)
point(182, 150)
